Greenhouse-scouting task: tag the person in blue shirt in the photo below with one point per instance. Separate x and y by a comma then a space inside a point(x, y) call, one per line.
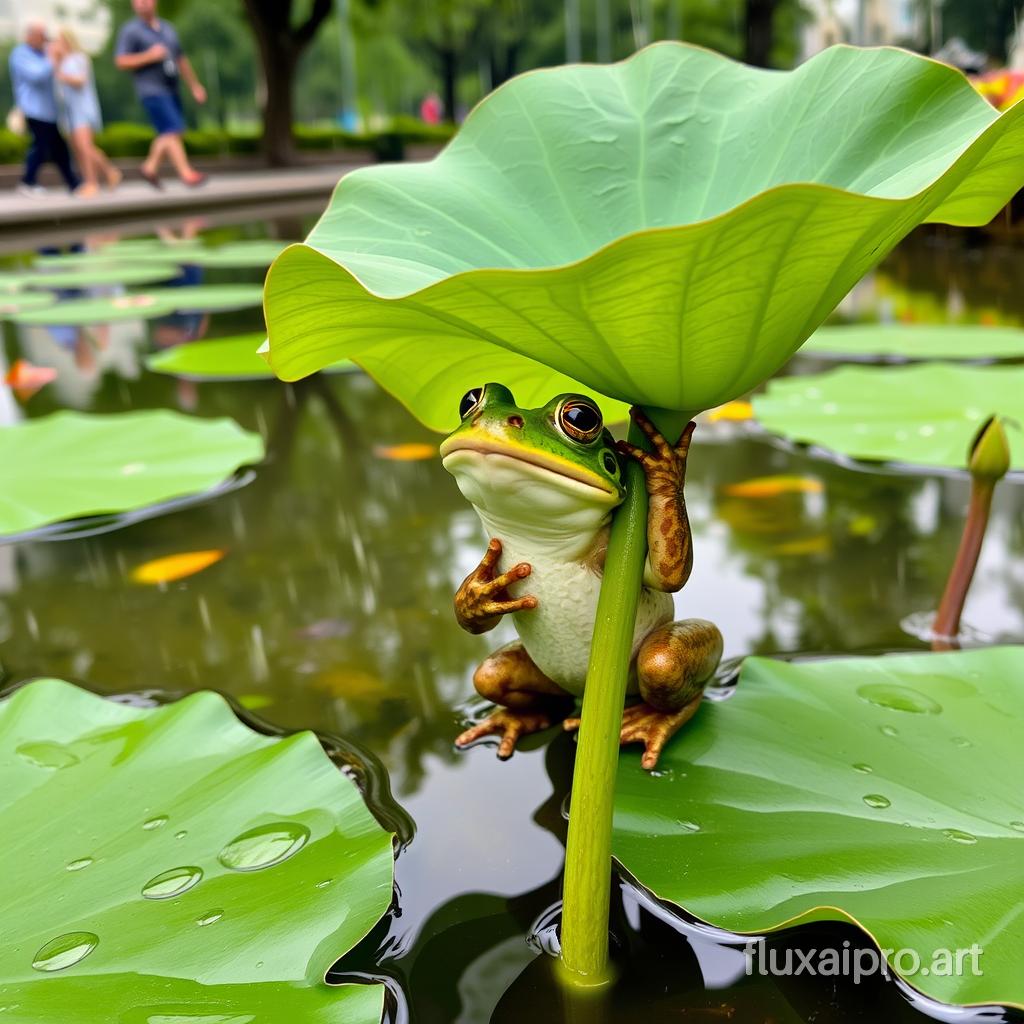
point(149, 48)
point(32, 81)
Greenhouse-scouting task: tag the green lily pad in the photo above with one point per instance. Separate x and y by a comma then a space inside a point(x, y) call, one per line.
point(883, 791)
point(170, 864)
point(233, 358)
point(99, 273)
point(665, 231)
point(147, 249)
point(71, 464)
point(145, 305)
point(17, 303)
point(926, 414)
point(931, 341)
point(211, 298)
point(253, 253)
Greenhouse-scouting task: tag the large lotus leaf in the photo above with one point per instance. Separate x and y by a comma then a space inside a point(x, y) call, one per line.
point(926, 414)
point(667, 230)
point(145, 305)
point(925, 341)
point(72, 464)
point(885, 791)
point(98, 273)
point(234, 358)
point(189, 868)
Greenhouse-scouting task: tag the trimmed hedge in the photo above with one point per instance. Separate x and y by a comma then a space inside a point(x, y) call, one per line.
point(127, 139)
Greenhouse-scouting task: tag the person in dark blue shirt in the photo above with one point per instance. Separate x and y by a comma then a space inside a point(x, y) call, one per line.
point(32, 80)
point(149, 48)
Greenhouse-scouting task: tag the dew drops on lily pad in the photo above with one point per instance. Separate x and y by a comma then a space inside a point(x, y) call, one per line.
point(172, 883)
point(65, 951)
point(264, 846)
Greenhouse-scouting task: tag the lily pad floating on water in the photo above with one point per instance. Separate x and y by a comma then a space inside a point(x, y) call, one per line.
point(172, 864)
point(250, 253)
point(145, 305)
point(234, 358)
point(587, 222)
point(98, 274)
point(69, 464)
point(17, 303)
point(926, 414)
point(882, 791)
point(903, 343)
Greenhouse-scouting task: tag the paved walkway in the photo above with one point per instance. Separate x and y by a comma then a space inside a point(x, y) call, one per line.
point(138, 200)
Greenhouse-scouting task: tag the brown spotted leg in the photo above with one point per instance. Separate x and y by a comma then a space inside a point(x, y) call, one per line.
point(673, 664)
point(529, 700)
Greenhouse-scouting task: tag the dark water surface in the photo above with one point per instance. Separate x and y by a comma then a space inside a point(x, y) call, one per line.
point(332, 611)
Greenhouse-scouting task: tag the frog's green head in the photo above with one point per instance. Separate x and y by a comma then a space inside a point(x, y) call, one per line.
point(552, 461)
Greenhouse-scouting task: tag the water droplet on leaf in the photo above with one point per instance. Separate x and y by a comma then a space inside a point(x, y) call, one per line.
point(77, 865)
point(877, 801)
point(210, 917)
point(154, 823)
point(864, 769)
point(899, 698)
point(65, 951)
point(46, 754)
point(172, 883)
point(959, 835)
point(264, 846)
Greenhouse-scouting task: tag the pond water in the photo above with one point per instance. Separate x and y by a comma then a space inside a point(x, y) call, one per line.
point(332, 610)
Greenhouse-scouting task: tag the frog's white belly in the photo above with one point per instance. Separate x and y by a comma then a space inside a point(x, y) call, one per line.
point(557, 633)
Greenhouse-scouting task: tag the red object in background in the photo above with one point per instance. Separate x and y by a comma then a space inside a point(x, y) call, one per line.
point(431, 109)
point(25, 380)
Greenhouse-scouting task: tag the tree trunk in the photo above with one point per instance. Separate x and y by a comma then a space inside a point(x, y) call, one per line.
point(760, 18)
point(281, 44)
point(449, 73)
point(278, 142)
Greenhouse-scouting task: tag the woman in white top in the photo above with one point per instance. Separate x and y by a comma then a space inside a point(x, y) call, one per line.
point(82, 112)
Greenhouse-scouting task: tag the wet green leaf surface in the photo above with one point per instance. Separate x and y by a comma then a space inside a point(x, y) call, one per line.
point(931, 341)
point(172, 865)
point(884, 791)
point(926, 414)
point(666, 231)
point(72, 464)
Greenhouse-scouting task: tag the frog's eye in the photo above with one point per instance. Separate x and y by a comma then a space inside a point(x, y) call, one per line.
point(580, 419)
point(470, 400)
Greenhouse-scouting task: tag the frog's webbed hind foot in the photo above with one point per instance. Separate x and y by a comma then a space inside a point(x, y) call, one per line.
point(528, 701)
point(653, 728)
point(511, 726)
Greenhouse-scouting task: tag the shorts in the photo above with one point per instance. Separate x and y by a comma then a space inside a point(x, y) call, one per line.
point(165, 113)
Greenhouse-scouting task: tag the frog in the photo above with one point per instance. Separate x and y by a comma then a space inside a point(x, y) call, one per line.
point(545, 484)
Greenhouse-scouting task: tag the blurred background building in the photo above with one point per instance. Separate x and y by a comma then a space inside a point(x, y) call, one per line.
point(89, 20)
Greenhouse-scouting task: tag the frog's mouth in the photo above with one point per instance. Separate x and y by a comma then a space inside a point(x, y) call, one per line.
point(464, 452)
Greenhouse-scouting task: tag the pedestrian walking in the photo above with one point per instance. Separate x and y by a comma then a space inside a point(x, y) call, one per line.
point(32, 78)
point(148, 47)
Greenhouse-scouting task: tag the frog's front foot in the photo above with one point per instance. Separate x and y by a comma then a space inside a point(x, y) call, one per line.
point(653, 728)
point(510, 725)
